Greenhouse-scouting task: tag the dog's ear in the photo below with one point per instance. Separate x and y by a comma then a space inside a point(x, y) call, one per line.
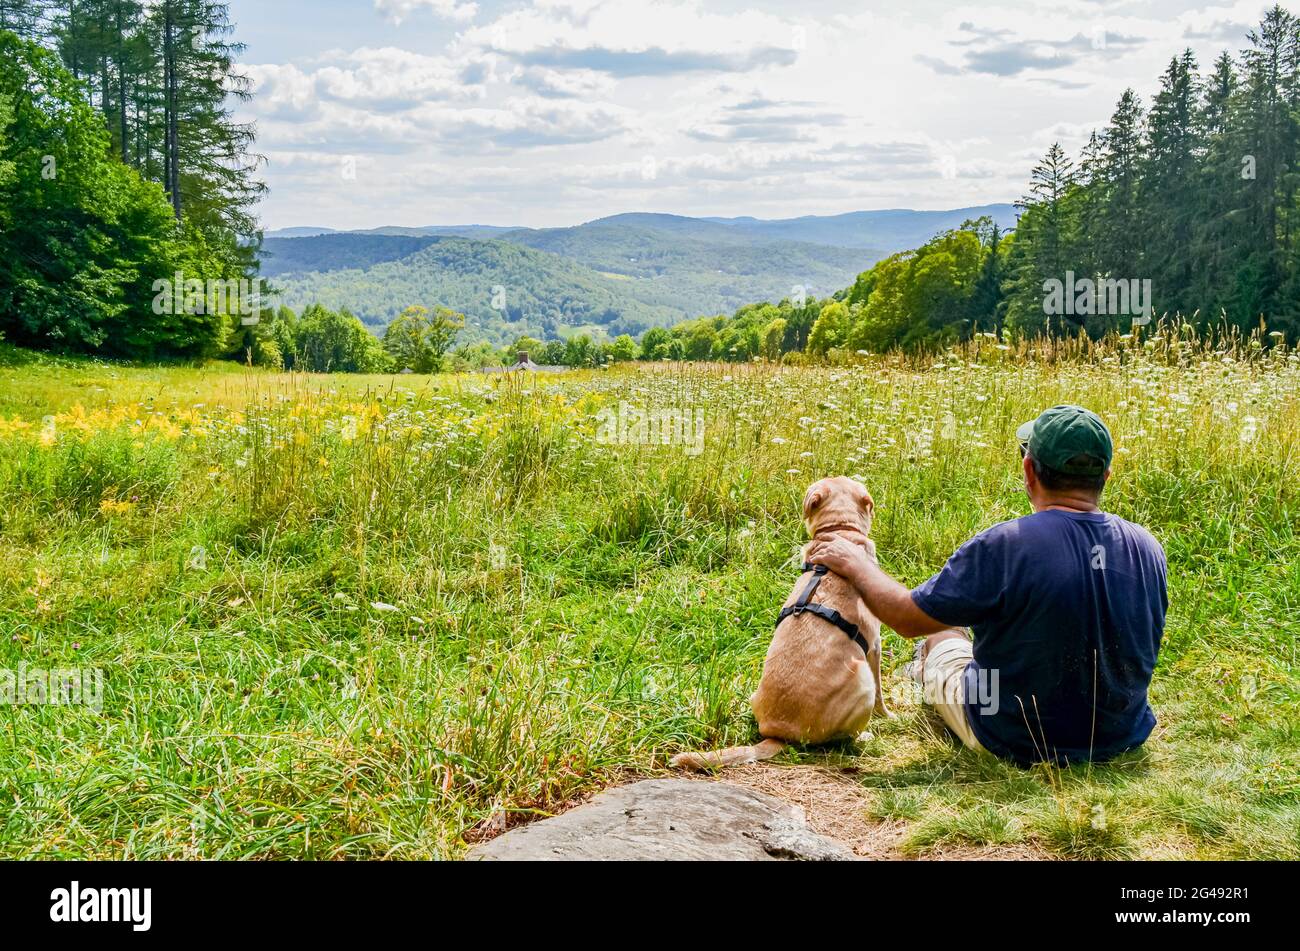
point(868, 504)
point(817, 493)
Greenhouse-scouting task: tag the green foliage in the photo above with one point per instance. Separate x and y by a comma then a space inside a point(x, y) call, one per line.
point(418, 339)
point(328, 341)
point(831, 331)
point(624, 349)
point(6, 166)
point(123, 175)
point(580, 351)
point(1198, 196)
point(654, 344)
point(774, 338)
point(755, 330)
point(86, 239)
point(504, 290)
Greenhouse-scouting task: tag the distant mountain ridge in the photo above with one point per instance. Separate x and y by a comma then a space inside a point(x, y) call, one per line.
point(619, 274)
point(896, 229)
point(892, 229)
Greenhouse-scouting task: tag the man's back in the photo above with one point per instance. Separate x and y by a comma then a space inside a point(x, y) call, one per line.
point(1067, 609)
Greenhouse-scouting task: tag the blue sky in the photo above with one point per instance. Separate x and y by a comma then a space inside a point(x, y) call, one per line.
point(553, 112)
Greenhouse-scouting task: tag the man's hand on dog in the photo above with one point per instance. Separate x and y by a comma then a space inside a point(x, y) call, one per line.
point(846, 559)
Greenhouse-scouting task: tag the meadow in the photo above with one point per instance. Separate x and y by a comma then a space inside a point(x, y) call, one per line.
point(345, 617)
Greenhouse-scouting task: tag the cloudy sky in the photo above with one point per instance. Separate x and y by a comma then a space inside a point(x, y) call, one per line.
point(554, 112)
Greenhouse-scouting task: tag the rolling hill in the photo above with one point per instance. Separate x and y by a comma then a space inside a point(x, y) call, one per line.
point(539, 294)
point(620, 274)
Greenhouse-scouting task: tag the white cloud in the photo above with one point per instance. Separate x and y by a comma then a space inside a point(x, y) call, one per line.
point(639, 37)
point(549, 112)
point(556, 82)
point(398, 10)
point(521, 123)
point(380, 79)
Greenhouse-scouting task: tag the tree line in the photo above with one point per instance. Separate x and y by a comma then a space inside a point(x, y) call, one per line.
point(122, 168)
point(1196, 194)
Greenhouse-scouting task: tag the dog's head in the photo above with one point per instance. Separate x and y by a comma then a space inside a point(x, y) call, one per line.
point(838, 504)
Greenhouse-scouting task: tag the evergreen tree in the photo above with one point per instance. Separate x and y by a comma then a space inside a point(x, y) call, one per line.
point(1044, 245)
point(1226, 171)
point(1169, 183)
point(209, 172)
point(1087, 252)
point(23, 17)
point(986, 305)
point(1121, 224)
point(1269, 116)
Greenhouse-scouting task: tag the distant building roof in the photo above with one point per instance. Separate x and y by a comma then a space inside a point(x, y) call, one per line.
point(525, 364)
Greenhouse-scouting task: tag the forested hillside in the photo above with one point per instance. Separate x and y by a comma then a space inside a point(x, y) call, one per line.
point(336, 252)
point(701, 259)
point(615, 276)
point(503, 289)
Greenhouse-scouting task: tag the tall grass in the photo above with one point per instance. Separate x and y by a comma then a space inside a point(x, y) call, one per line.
point(362, 617)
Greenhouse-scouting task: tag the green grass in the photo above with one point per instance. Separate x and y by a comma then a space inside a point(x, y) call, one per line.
point(226, 544)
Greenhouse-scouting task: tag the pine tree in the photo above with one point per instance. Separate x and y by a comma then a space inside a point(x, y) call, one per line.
point(24, 17)
point(1170, 176)
point(1226, 170)
point(985, 308)
point(1049, 184)
point(123, 19)
point(1121, 225)
point(1090, 203)
point(209, 171)
point(1268, 103)
point(1043, 248)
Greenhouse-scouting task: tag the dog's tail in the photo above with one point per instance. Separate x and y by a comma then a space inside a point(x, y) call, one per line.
point(732, 756)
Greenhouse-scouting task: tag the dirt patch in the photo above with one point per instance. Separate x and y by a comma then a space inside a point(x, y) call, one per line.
point(837, 807)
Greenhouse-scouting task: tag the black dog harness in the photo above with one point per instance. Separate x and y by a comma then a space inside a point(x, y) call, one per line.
point(802, 606)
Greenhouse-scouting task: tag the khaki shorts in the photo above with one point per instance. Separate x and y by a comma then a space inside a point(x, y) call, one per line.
point(943, 686)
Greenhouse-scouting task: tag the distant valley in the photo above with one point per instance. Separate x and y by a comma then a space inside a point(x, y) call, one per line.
point(621, 274)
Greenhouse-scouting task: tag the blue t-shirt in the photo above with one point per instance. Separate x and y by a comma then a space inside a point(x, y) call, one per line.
point(1067, 609)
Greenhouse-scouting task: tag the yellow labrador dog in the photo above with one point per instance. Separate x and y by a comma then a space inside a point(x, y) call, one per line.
point(821, 679)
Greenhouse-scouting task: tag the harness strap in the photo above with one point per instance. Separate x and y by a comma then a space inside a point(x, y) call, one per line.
point(802, 606)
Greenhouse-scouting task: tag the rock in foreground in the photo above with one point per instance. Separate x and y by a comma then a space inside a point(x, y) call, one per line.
point(669, 819)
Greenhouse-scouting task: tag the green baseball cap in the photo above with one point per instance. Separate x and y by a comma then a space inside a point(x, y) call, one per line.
point(1069, 439)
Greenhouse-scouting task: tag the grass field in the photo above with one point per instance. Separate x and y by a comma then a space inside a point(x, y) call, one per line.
point(360, 617)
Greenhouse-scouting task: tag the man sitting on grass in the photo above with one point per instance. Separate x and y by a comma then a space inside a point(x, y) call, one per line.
point(1067, 607)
